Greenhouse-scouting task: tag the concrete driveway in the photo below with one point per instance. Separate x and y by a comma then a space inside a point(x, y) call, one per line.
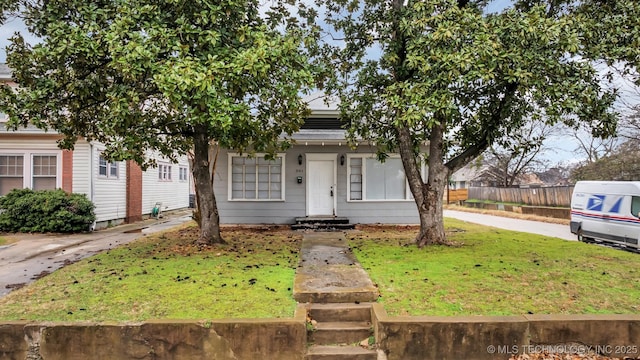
point(533, 227)
point(35, 255)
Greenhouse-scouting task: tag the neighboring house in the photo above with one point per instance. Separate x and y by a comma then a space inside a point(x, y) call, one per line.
point(468, 176)
point(319, 176)
point(121, 191)
point(477, 175)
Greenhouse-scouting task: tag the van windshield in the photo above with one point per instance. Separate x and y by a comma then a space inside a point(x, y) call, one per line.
point(635, 206)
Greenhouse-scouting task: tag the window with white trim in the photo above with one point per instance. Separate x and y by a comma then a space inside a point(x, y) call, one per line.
point(256, 178)
point(44, 172)
point(370, 179)
point(164, 172)
point(11, 173)
point(183, 173)
point(107, 169)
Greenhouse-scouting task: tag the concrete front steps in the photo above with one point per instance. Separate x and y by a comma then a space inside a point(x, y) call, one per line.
point(322, 223)
point(338, 330)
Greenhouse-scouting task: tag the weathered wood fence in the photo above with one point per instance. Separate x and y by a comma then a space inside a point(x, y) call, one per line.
point(454, 196)
point(542, 196)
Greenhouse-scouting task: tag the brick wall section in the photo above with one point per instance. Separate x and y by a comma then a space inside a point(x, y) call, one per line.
point(134, 192)
point(67, 170)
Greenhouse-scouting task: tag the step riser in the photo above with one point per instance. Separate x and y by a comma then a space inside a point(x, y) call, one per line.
point(323, 227)
point(341, 357)
point(345, 314)
point(328, 220)
point(342, 337)
point(335, 222)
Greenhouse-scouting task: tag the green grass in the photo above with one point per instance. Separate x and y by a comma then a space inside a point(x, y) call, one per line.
point(163, 277)
point(491, 272)
point(2, 241)
point(497, 272)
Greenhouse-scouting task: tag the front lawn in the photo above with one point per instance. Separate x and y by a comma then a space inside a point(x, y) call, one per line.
point(491, 272)
point(162, 277)
point(497, 272)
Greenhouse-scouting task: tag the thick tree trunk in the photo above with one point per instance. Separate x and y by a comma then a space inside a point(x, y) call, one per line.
point(429, 195)
point(207, 208)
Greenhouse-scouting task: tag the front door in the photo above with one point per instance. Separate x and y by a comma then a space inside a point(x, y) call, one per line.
point(321, 180)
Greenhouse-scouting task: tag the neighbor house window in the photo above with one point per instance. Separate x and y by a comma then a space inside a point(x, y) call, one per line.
point(44, 172)
point(11, 173)
point(256, 178)
point(107, 169)
point(370, 179)
point(184, 175)
point(164, 172)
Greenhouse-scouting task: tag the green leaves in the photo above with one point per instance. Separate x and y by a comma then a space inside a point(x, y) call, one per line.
point(482, 74)
point(139, 75)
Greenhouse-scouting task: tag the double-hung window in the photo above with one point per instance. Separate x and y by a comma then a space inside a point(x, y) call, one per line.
point(45, 170)
point(370, 179)
point(29, 169)
point(11, 173)
point(256, 178)
point(183, 173)
point(164, 172)
point(107, 169)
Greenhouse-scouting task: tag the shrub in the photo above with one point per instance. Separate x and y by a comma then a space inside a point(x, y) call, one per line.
point(25, 210)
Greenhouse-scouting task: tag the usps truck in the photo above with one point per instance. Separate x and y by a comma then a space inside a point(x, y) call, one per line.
point(607, 211)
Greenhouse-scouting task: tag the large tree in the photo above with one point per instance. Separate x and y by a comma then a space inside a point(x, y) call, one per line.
point(453, 76)
point(519, 153)
point(162, 76)
point(621, 164)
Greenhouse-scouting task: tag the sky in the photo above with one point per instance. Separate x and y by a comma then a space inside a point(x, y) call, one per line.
point(561, 148)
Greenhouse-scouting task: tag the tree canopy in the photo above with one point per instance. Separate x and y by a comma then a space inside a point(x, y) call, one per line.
point(452, 75)
point(166, 76)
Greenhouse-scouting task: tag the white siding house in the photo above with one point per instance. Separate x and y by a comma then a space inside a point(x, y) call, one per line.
point(320, 176)
point(120, 191)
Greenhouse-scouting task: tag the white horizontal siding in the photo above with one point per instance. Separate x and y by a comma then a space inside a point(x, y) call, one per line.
point(109, 194)
point(26, 143)
point(284, 212)
point(82, 169)
point(173, 194)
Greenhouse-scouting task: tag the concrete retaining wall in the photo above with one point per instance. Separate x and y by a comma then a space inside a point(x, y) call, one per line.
point(499, 337)
point(404, 338)
point(176, 340)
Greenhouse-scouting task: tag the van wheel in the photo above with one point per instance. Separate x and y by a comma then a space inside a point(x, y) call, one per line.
point(580, 236)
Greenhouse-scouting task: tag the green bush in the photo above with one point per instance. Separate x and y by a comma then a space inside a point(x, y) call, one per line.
point(25, 210)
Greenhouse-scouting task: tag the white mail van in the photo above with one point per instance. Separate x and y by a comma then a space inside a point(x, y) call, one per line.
point(607, 211)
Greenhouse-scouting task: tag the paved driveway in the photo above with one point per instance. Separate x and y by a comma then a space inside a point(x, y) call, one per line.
point(534, 227)
point(35, 255)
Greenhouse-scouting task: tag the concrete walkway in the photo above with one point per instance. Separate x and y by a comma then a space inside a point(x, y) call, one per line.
point(31, 256)
point(329, 273)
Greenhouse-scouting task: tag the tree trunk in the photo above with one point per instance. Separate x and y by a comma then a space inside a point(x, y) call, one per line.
point(207, 208)
point(428, 196)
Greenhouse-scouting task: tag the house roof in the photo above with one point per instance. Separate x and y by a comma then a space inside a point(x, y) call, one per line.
point(322, 105)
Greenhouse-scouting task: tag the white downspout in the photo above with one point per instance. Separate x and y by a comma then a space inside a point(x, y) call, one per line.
point(91, 180)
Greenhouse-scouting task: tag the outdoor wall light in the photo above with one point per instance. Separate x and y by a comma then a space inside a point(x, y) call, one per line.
point(341, 160)
point(300, 159)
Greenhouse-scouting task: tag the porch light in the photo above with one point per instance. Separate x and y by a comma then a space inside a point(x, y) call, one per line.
point(300, 159)
point(341, 160)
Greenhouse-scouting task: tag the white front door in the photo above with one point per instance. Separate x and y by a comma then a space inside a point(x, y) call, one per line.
point(321, 180)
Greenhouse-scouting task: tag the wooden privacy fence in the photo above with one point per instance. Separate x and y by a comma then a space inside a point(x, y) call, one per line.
point(453, 196)
point(542, 196)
